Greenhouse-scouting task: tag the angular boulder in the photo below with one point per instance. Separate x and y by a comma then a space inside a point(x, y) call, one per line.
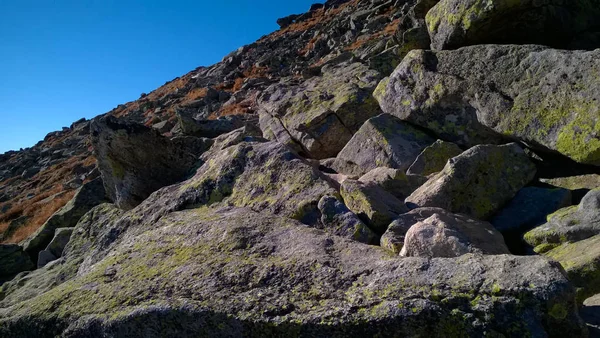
point(136, 160)
point(54, 250)
point(556, 23)
point(375, 205)
point(207, 128)
point(570, 224)
point(434, 158)
point(13, 260)
point(322, 113)
point(481, 94)
point(581, 182)
point(240, 273)
point(340, 221)
point(444, 235)
point(478, 182)
point(391, 180)
point(385, 141)
point(88, 196)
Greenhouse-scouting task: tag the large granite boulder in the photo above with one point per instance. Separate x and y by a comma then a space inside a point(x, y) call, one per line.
point(478, 182)
point(434, 158)
point(321, 114)
point(581, 182)
point(385, 141)
point(446, 235)
point(88, 196)
point(570, 224)
point(136, 160)
point(393, 181)
point(339, 220)
point(235, 272)
point(557, 23)
point(55, 248)
point(481, 94)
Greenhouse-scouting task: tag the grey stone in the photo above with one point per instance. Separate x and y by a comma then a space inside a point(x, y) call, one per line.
point(339, 220)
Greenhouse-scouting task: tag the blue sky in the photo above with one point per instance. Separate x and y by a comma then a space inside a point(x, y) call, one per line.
point(61, 60)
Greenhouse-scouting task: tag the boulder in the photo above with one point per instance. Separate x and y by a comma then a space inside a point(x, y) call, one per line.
point(529, 208)
point(434, 158)
point(13, 260)
point(322, 113)
point(482, 94)
point(341, 167)
point(135, 160)
point(556, 23)
point(581, 261)
point(393, 239)
point(570, 224)
point(478, 182)
point(385, 141)
point(373, 204)
point(391, 180)
point(339, 220)
point(241, 273)
point(207, 128)
point(88, 196)
point(581, 182)
point(444, 235)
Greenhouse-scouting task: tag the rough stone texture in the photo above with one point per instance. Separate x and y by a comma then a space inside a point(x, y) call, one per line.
point(587, 182)
point(434, 158)
point(458, 23)
point(570, 224)
point(591, 315)
point(444, 235)
point(60, 240)
point(375, 205)
point(393, 238)
point(208, 128)
point(322, 113)
point(391, 180)
point(239, 273)
point(529, 208)
point(339, 220)
point(248, 133)
point(342, 167)
point(13, 260)
point(385, 141)
point(478, 182)
point(45, 257)
point(479, 94)
point(581, 260)
point(135, 160)
point(88, 196)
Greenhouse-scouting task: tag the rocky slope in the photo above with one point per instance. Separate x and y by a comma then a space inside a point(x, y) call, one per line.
point(379, 168)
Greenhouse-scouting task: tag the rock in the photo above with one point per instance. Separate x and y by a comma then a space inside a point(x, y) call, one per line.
point(570, 224)
point(393, 238)
point(478, 182)
point(164, 126)
point(391, 180)
point(373, 204)
point(45, 257)
point(529, 208)
point(13, 260)
point(135, 160)
point(88, 196)
point(342, 167)
point(237, 271)
point(457, 23)
point(434, 158)
point(443, 235)
point(208, 128)
point(482, 94)
point(30, 172)
point(582, 182)
point(385, 141)
point(581, 261)
point(322, 113)
point(59, 242)
point(249, 133)
point(340, 221)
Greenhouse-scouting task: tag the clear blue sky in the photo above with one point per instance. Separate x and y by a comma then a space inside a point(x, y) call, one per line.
point(61, 60)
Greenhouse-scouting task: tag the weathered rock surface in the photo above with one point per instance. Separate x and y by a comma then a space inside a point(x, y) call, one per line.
point(375, 205)
point(479, 94)
point(582, 182)
point(385, 141)
point(208, 128)
point(322, 113)
point(458, 23)
point(570, 224)
point(434, 158)
point(581, 261)
point(391, 180)
point(135, 160)
point(446, 235)
point(478, 182)
point(13, 260)
point(240, 273)
point(88, 196)
point(55, 248)
point(529, 208)
point(339, 220)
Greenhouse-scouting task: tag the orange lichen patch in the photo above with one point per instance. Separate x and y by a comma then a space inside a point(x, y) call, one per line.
point(237, 84)
point(232, 109)
point(196, 94)
point(389, 30)
point(44, 211)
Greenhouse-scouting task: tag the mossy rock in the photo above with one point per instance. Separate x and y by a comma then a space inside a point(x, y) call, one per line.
point(434, 158)
point(582, 182)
